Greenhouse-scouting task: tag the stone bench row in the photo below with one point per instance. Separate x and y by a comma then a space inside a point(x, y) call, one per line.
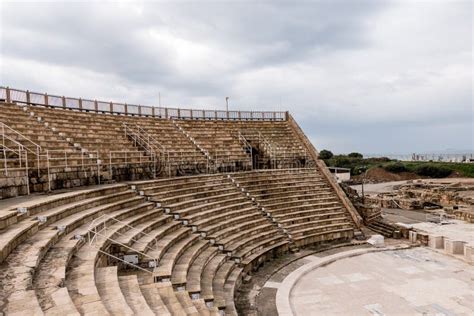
point(47, 237)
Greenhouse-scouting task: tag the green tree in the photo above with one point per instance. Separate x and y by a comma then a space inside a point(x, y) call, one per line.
point(355, 155)
point(325, 154)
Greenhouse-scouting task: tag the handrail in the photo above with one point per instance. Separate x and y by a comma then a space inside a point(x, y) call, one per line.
point(44, 99)
point(38, 147)
point(137, 136)
point(107, 217)
point(22, 159)
point(20, 148)
point(247, 146)
point(4, 136)
point(267, 145)
point(65, 156)
point(95, 231)
point(5, 149)
point(151, 139)
point(149, 144)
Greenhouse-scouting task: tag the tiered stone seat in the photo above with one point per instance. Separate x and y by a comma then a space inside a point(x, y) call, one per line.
point(286, 149)
point(133, 295)
point(181, 149)
point(166, 291)
point(221, 213)
point(222, 144)
point(109, 290)
point(206, 232)
point(46, 223)
point(95, 145)
point(35, 132)
point(66, 164)
point(152, 296)
point(82, 266)
point(93, 132)
point(17, 118)
point(301, 202)
point(50, 276)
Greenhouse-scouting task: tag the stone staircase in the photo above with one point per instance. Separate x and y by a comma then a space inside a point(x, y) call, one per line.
point(381, 227)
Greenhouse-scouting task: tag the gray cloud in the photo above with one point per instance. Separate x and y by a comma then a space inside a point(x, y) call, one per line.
point(348, 70)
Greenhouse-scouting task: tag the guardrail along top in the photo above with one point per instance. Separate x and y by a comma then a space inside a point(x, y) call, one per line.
point(43, 99)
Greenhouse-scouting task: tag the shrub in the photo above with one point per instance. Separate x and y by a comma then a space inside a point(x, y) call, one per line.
point(325, 154)
point(355, 155)
point(396, 167)
point(432, 171)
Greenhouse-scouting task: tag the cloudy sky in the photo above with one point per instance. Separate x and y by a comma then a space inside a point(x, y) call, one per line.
point(368, 76)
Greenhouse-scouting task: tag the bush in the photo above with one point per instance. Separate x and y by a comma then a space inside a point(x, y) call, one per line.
point(325, 154)
point(432, 171)
point(355, 155)
point(396, 167)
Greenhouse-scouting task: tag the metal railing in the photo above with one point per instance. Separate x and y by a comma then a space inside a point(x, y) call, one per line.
point(25, 142)
point(263, 143)
point(100, 227)
point(155, 149)
point(14, 153)
point(268, 148)
point(44, 99)
point(64, 160)
point(206, 155)
point(224, 157)
point(247, 146)
point(123, 158)
point(69, 159)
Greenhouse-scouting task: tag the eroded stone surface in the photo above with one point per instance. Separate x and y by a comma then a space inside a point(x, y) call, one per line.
point(402, 282)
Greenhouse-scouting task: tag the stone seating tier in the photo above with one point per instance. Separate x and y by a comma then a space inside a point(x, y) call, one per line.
point(206, 232)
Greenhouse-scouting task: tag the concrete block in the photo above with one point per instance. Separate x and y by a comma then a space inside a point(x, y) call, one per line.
point(376, 240)
point(436, 242)
point(447, 245)
point(469, 253)
point(454, 247)
point(458, 247)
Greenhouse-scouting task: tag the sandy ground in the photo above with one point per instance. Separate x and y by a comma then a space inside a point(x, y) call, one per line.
point(374, 188)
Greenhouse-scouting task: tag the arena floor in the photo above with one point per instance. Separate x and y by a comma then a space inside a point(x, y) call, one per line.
point(415, 281)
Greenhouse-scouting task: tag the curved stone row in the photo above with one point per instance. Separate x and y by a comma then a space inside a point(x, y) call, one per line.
point(61, 254)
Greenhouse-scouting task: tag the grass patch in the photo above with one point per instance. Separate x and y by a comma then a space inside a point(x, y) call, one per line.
point(422, 168)
point(464, 169)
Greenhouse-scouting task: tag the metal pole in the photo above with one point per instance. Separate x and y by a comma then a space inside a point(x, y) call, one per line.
point(20, 156)
point(110, 164)
point(27, 174)
point(4, 152)
point(38, 160)
point(49, 174)
point(98, 169)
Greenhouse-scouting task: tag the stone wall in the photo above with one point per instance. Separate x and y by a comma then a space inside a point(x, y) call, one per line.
point(14, 184)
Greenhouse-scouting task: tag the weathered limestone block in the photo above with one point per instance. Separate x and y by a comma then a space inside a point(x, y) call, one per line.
point(469, 253)
point(454, 247)
point(436, 242)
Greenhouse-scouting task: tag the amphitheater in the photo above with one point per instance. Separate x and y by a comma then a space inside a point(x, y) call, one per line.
point(120, 209)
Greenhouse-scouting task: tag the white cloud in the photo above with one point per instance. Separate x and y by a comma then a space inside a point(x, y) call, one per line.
point(369, 75)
